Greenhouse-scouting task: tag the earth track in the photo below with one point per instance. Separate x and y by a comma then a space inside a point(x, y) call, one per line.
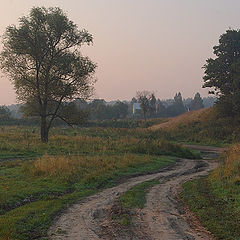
point(162, 218)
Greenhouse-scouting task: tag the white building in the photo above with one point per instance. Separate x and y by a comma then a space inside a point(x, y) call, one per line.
point(136, 108)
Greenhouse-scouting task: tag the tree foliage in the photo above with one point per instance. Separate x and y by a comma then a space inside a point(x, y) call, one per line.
point(177, 107)
point(146, 100)
point(99, 110)
point(222, 74)
point(4, 113)
point(42, 58)
point(197, 102)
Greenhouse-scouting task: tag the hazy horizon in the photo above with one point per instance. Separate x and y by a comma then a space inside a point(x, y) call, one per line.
point(152, 45)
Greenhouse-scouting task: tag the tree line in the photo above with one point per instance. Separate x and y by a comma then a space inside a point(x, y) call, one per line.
point(99, 109)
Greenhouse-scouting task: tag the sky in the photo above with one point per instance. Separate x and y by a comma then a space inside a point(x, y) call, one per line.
point(155, 45)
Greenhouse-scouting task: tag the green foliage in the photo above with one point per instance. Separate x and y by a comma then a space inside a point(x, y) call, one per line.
point(99, 110)
point(222, 73)
point(177, 107)
point(197, 102)
point(4, 113)
point(42, 58)
point(147, 101)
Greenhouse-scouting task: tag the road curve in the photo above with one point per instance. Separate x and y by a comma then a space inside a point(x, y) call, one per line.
point(162, 218)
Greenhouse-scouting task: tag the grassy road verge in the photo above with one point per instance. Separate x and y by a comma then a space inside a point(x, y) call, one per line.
point(216, 199)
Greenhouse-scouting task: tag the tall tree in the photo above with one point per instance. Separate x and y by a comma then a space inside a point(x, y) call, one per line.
point(42, 58)
point(177, 107)
point(222, 74)
point(197, 102)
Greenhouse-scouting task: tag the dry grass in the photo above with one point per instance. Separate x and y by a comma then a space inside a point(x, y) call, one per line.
point(230, 170)
point(186, 118)
point(84, 167)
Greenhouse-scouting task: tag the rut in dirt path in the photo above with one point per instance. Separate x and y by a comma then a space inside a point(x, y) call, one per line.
point(162, 217)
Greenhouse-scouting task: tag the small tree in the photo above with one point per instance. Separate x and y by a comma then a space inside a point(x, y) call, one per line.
point(42, 58)
point(222, 74)
point(152, 105)
point(161, 109)
point(143, 98)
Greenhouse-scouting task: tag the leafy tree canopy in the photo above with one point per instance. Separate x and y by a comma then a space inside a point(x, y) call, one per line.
point(42, 58)
point(222, 74)
point(145, 98)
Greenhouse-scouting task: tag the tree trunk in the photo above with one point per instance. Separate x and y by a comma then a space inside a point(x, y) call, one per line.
point(44, 129)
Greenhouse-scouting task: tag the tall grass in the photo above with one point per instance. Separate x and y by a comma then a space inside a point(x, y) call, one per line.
point(230, 167)
point(84, 168)
point(203, 126)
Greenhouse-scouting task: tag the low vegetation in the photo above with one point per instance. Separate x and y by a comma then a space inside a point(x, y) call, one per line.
point(215, 199)
point(204, 126)
point(131, 200)
point(38, 180)
point(136, 197)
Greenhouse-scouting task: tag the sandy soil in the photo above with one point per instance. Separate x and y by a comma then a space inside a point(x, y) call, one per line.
point(162, 218)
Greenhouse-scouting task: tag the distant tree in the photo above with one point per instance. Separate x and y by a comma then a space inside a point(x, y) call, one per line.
point(81, 103)
point(42, 57)
point(143, 97)
point(152, 105)
point(134, 100)
point(177, 107)
point(222, 74)
point(197, 102)
point(209, 101)
point(161, 109)
point(98, 109)
point(4, 114)
point(120, 110)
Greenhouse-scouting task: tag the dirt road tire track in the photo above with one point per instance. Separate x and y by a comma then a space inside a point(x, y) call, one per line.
point(162, 218)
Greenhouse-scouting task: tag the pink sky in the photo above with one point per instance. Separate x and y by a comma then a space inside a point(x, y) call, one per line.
point(155, 45)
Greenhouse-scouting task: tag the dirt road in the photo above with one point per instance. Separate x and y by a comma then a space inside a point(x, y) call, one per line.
point(162, 218)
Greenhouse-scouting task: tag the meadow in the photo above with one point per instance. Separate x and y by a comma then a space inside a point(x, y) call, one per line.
point(38, 181)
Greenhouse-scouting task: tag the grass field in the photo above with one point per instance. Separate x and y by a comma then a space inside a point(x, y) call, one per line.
point(216, 198)
point(37, 181)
